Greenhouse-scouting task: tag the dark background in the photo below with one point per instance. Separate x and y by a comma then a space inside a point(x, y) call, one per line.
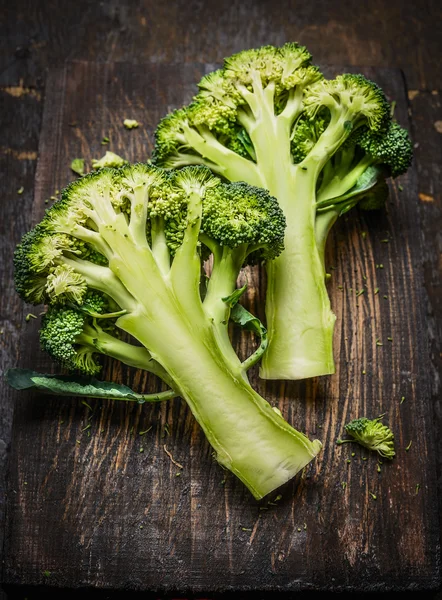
point(39, 34)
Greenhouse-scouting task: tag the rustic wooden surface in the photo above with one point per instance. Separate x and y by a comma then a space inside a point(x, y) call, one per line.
point(35, 35)
point(102, 506)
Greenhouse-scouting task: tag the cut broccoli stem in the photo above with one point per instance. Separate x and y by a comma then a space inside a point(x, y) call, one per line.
point(249, 438)
point(299, 317)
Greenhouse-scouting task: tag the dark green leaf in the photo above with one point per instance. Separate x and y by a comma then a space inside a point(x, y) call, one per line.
point(77, 385)
point(246, 320)
point(232, 300)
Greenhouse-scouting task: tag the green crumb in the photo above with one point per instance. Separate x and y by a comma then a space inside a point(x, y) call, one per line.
point(364, 458)
point(105, 141)
point(376, 291)
point(353, 454)
point(344, 485)
point(400, 188)
point(131, 123)
point(364, 234)
point(141, 450)
point(408, 447)
point(340, 287)
point(373, 495)
point(30, 316)
point(360, 292)
point(402, 399)
point(246, 529)
point(390, 339)
point(379, 343)
point(84, 403)
point(363, 372)
point(47, 573)
point(378, 468)
point(385, 241)
point(299, 529)
point(110, 159)
point(385, 297)
point(348, 461)
point(20, 190)
point(87, 427)
point(417, 488)
point(77, 166)
point(178, 474)
point(145, 431)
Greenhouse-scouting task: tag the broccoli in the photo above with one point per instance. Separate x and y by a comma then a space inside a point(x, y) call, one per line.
point(125, 247)
point(371, 434)
point(269, 118)
point(110, 159)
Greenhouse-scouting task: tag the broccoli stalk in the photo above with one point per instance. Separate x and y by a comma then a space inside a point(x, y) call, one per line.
point(270, 119)
point(136, 236)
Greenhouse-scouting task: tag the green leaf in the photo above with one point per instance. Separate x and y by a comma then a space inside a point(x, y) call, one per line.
point(78, 385)
point(77, 166)
point(246, 320)
point(232, 300)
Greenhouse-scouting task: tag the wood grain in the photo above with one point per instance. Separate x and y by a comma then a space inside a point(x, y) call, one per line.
point(104, 507)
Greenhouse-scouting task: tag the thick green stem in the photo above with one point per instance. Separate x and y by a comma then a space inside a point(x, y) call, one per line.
point(249, 438)
point(299, 317)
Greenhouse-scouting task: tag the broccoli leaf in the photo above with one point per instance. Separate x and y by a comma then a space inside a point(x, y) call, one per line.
point(77, 385)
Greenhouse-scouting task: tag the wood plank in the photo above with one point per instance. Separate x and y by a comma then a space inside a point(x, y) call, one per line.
point(92, 509)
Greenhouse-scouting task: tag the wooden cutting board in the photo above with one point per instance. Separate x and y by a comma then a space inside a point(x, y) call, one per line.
point(95, 499)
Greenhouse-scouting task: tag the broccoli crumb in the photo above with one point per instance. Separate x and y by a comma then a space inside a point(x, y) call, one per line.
point(30, 316)
point(20, 190)
point(77, 166)
point(110, 159)
point(105, 141)
point(131, 123)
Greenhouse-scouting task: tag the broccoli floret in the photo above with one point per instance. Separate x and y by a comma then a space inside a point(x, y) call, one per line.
point(371, 434)
point(269, 118)
point(110, 159)
point(150, 226)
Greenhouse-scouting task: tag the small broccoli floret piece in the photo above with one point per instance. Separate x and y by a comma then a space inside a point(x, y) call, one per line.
point(110, 159)
point(371, 434)
point(131, 123)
